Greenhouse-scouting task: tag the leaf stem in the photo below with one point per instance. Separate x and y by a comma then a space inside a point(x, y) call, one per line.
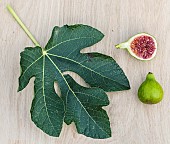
point(10, 9)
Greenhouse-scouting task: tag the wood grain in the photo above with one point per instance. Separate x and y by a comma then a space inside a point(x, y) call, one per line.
point(131, 121)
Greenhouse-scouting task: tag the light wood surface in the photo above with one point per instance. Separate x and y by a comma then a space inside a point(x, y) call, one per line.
point(131, 121)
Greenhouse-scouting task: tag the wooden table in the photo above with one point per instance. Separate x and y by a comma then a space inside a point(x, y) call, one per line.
point(131, 121)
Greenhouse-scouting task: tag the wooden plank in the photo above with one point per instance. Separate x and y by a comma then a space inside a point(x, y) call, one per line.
point(132, 122)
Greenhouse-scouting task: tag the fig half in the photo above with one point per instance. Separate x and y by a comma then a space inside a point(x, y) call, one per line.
point(142, 46)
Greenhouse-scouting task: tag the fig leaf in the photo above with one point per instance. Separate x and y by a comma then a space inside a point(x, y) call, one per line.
point(77, 104)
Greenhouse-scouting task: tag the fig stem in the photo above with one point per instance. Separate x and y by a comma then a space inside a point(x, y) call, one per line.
point(10, 9)
point(122, 45)
point(150, 76)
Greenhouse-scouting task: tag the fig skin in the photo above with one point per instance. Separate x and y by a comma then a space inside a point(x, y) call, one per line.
point(150, 91)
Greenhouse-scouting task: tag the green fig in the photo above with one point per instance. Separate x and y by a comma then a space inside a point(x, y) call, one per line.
point(150, 91)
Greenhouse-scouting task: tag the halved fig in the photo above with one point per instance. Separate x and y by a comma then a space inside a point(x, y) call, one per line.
point(142, 46)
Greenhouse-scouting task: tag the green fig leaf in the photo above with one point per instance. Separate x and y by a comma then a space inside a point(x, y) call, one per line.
point(84, 107)
point(61, 54)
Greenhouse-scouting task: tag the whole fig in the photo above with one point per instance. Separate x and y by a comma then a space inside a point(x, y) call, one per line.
point(150, 91)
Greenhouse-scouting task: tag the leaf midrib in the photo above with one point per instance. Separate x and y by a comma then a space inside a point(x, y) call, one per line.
point(31, 64)
point(85, 67)
point(44, 93)
point(74, 93)
point(43, 68)
point(67, 41)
